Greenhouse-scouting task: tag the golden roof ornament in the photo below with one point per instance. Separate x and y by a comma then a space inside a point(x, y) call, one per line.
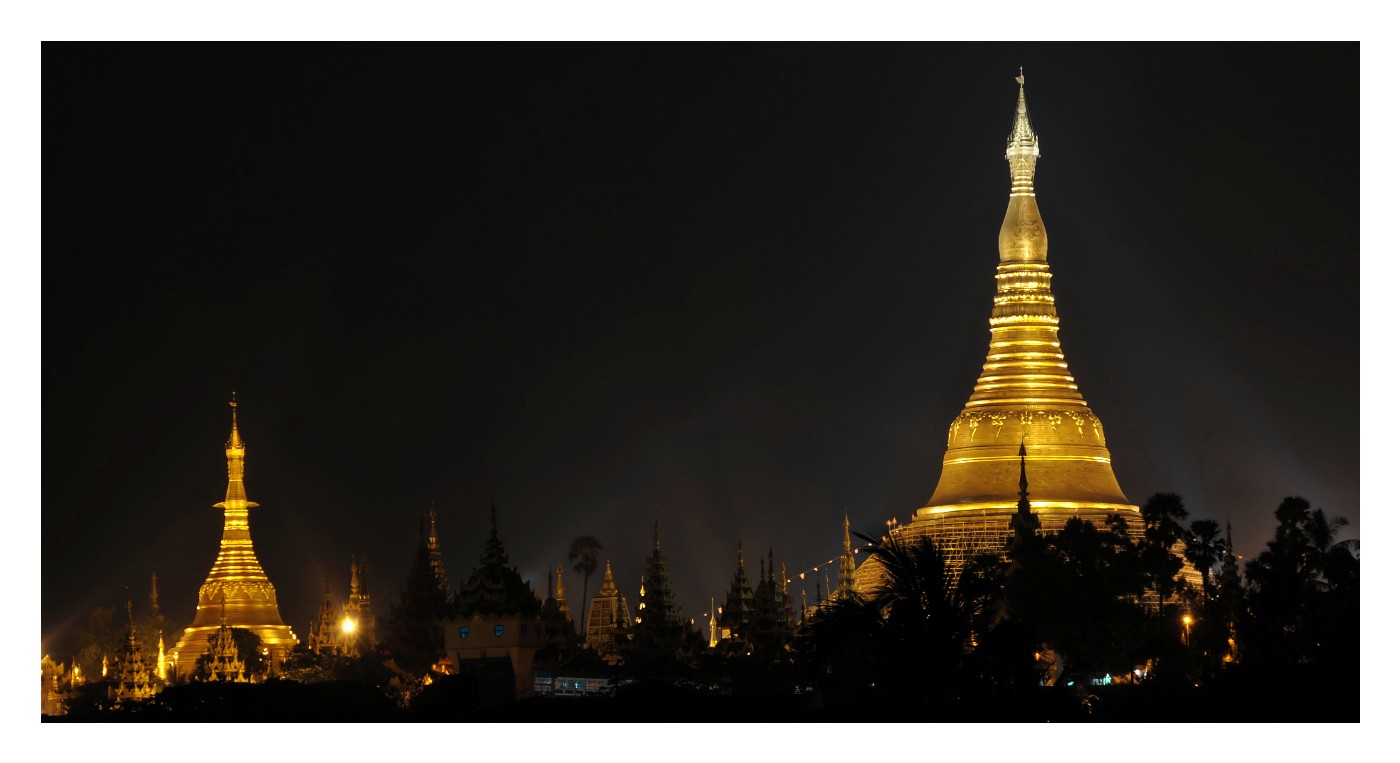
point(559, 585)
point(1022, 146)
point(609, 585)
point(234, 441)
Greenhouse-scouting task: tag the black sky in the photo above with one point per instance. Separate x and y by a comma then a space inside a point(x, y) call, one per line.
point(741, 289)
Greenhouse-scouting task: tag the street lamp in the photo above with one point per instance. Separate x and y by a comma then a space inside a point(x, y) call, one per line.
point(1186, 622)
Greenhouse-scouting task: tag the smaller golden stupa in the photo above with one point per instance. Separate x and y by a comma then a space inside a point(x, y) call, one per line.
point(237, 590)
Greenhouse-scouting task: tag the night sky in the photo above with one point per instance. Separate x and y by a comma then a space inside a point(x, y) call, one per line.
point(739, 289)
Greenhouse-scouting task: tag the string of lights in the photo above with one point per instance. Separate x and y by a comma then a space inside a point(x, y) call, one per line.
point(890, 524)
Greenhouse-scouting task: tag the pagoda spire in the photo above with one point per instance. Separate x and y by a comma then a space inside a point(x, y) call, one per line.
point(609, 585)
point(155, 597)
point(1022, 146)
point(434, 550)
point(737, 613)
point(559, 586)
point(495, 552)
point(846, 582)
point(235, 497)
point(1025, 522)
point(1024, 504)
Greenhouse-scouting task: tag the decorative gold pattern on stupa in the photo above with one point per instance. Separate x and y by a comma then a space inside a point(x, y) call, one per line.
point(1025, 393)
point(237, 579)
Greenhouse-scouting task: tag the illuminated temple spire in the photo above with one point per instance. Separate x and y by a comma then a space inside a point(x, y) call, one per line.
point(434, 550)
point(236, 577)
point(846, 582)
point(155, 597)
point(1025, 394)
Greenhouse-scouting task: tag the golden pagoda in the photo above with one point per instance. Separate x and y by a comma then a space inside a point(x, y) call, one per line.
point(237, 589)
point(1025, 394)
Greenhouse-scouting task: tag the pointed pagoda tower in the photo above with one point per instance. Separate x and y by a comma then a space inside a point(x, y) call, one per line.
point(361, 632)
point(224, 663)
point(325, 632)
point(609, 619)
point(846, 583)
point(736, 617)
point(559, 594)
point(236, 577)
point(136, 679)
point(658, 613)
point(155, 598)
point(1025, 393)
point(435, 551)
point(772, 623)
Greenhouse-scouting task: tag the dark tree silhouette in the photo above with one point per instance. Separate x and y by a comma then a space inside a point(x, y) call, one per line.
point(1161, 516)
point(910, 637)
point(1074, 590)
point(1303, 599)
point(1204, 549)
point(583, 555)
point(101, 636)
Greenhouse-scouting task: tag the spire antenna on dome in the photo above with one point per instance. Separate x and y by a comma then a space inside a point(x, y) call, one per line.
point(234, 440)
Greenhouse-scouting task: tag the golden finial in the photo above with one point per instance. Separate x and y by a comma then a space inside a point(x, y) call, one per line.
point(1022, 146)
point(234, 440)
point(609, 587)
point(1021, 79)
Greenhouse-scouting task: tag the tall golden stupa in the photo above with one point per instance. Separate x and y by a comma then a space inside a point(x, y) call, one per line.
point(237, 591)
point(1025, 394)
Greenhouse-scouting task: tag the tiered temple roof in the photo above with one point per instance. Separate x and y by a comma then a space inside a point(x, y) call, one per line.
point(136, 676)
point(737, 616)
point(495, 589)
point(658, 610)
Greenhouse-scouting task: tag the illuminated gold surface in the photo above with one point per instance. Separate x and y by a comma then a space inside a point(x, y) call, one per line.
point(1024, 393)
point(236, 587)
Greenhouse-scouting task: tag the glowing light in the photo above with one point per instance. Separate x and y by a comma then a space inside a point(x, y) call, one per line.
point(347, 626)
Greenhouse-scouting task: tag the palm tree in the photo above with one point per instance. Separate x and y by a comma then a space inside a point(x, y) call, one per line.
point(1204, 548)
point(913, 630)
point(1325, 557)
point(1303, 600)
point(583, 555)
point(1161, 516)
